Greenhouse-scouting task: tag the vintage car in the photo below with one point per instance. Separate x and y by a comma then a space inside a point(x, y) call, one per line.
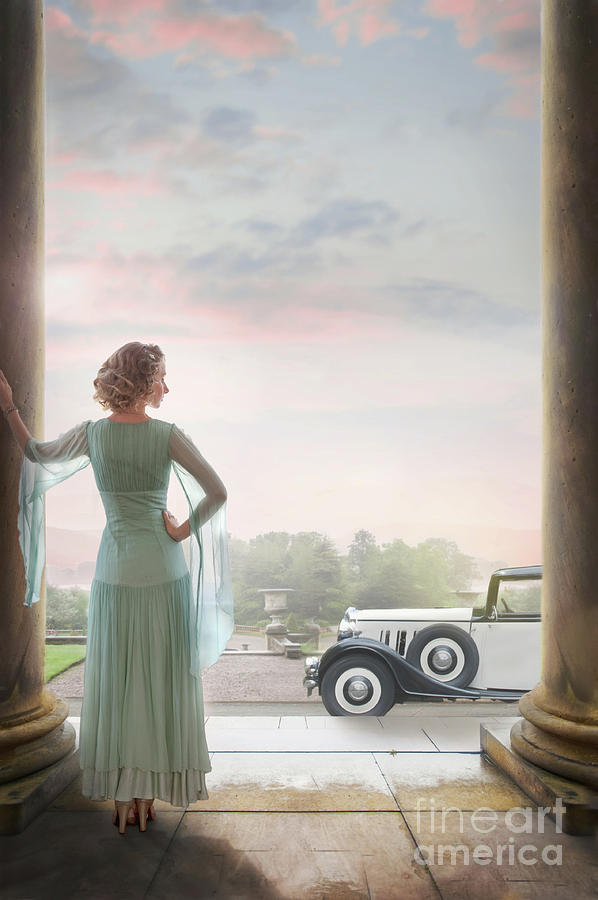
point(387, 656)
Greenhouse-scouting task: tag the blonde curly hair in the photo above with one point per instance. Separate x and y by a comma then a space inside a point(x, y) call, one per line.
point(127, 376)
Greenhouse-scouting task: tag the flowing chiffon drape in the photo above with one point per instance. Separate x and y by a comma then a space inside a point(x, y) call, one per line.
point(154, 621)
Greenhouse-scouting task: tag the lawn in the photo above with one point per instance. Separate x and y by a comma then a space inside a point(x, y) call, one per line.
point(60, 656)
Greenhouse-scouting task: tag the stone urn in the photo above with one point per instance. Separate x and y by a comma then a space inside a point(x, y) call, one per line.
point(275, 604)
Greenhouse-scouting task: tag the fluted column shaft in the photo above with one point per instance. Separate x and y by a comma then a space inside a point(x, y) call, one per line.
point(561, 728)
point(28, 712)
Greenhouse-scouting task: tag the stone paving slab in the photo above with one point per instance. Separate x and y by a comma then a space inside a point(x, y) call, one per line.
point(410, 738)
point(454, 735)
point(536, 863)
point(293, 855)
point(296, 782)
point(464, 780)
point(71, 854)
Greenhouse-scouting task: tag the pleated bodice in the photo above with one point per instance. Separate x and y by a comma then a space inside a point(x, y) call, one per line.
point(130, 457)
point(131, 465)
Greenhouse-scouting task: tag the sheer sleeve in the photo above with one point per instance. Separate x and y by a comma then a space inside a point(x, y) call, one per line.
point(212, 617)
point(45, 463)
point(184, 452)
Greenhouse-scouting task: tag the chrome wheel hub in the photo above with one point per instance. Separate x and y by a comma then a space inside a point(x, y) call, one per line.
point(442, 659)
point(357, 689)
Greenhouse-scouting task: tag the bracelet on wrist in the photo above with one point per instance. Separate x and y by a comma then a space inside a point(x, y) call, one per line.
point(10, 410)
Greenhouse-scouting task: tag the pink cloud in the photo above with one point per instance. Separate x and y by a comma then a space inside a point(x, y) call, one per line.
point(370, 20)
point(236, 36)
point(513, 26)
point(120, 12)
point(58, 21)
point(499, 62)
point(418, 33)
point(272, 133)
point(467, 14)
point(517, 21)
point(163, 292)
point(341, 33)
point(63, 158)
point(330, 12)
point(372, 28)
point(105, 182)
point(240, 37)
point(131, 46)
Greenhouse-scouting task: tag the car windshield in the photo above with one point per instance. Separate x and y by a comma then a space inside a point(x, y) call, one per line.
point(519, 598)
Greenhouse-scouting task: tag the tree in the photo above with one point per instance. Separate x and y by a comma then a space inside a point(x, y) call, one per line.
point(324, 583)
point(362, 550)
point(439, 569)
point(258, 564)
point(314, 570)
point(66, 608)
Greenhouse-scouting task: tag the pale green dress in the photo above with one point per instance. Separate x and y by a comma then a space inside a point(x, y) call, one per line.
point(154, 623)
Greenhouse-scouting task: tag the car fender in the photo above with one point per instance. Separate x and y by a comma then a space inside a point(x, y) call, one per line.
point(411, 682)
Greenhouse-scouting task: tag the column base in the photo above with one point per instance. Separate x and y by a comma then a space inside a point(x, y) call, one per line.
point(579, 802)
point(577, 762)
point(36, 744)
point(23, 799)
point(561, 745)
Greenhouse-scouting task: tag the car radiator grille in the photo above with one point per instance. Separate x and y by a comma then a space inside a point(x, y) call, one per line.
point(399, 643)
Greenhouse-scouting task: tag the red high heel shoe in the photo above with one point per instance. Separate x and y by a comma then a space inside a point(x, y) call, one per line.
point(145, 810)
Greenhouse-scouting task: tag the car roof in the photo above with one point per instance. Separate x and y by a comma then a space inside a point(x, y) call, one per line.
point(519, 572)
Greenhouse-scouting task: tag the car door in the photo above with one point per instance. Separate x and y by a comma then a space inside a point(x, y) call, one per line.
point(508, 638)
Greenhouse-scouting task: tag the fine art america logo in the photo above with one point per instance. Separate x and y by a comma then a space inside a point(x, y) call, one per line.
point(507, 851)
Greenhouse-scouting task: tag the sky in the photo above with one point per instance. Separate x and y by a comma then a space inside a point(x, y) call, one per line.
point(327, 215)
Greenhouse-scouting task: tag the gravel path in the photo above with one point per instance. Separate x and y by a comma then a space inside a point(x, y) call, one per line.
point(244, 678)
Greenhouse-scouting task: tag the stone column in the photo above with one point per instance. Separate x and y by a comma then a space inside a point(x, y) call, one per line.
point(560, 728)
point(33, 734)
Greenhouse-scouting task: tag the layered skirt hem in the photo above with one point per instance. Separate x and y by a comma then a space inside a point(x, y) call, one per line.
point(177, 788)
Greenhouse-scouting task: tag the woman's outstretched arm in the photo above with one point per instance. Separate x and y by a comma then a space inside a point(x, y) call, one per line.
point(20, 431)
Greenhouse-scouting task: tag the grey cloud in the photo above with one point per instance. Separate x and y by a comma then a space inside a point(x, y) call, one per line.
point(266, 7)
point(261, 227)
point(434, 305)
point(94, 101)
point(236, 262)
point(150, 123)
point(233, 126)
point(290, 251)
point(449, 306)
point(475, 118)
point(523, 42)
point(260, 75)
point(346, 217)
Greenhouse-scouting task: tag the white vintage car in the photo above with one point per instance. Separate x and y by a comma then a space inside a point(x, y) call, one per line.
point(385, 656)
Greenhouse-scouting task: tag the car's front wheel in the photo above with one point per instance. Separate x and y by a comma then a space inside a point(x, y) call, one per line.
point(358, 685)
point(446, 653)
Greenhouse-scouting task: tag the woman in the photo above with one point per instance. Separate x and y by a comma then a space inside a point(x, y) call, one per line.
point(153, 623)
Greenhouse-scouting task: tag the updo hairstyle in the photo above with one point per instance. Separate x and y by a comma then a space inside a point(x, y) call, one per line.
point(127, 376)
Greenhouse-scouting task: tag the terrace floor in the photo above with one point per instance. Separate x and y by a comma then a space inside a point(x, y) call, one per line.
point(308, 806)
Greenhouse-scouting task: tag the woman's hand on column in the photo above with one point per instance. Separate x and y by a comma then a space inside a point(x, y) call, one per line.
point(5, 393)
point(175, 531)
point(20, 431)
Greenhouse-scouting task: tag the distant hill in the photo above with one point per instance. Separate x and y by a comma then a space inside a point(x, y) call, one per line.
point(70, 556)
point(66, 548)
